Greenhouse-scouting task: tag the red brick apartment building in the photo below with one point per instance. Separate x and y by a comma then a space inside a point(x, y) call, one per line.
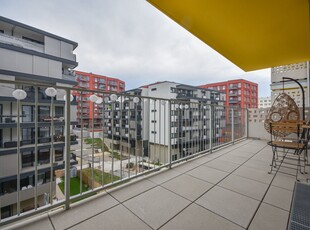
point(239, 93)
point(85, 107)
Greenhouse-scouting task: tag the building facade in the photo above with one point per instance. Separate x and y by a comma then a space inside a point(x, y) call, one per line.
point(264, 102)
point(28, 54)
point(239, 93)
point(182, 122)
point(86, 110)
point(297, 71)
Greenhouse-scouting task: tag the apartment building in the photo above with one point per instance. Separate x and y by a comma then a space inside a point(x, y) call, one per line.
point(29, 54)
point(264, 102)
point(184, 122)
point(239, 93)
point(297, 71)
point(86, 110)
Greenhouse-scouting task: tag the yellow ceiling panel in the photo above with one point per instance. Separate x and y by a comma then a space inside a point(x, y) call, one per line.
point(253, 34)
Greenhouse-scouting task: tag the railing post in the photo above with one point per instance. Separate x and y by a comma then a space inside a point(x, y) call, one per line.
point(67, 149)
point(247, 123)
point(169, 132)
point(210, 127)
point(232, 126)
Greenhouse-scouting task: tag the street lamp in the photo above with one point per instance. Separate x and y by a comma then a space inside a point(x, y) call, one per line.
point(19, 95)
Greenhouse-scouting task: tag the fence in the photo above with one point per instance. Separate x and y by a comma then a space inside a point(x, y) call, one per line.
point(134, 134)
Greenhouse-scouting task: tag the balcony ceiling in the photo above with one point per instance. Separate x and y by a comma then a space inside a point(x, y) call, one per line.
point(251, 34)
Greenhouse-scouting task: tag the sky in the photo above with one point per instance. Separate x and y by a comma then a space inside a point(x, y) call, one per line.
point(132, 41)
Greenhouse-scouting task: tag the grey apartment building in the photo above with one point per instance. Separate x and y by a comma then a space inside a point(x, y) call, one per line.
point(31, 55)
point(180, 124)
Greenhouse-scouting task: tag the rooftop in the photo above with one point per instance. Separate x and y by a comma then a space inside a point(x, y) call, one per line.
point(227, 189)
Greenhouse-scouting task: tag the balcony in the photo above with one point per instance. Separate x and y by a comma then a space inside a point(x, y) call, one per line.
point(228, 189)
point(4, 38)
point(68, 75)
point(209, 176)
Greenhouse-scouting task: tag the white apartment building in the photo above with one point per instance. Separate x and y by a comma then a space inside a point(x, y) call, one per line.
point(31, 55)
point(298, 71)
point(264, 102)
point(148, 127)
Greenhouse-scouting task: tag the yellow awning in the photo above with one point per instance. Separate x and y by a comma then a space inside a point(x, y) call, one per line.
point(253, 34)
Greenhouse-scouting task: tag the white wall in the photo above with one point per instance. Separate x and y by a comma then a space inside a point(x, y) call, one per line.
point(52, 46)
point(66, 51)
point(25, 63)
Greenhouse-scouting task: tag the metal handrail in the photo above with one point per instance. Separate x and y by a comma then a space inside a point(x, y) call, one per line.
point(206, 134)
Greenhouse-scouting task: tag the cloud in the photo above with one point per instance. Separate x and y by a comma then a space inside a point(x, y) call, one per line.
point(130, 40)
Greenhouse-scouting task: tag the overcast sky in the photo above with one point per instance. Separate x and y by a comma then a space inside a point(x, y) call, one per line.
point(130, 40)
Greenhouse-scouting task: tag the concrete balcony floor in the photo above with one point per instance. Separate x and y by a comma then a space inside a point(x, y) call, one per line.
point(228, 189)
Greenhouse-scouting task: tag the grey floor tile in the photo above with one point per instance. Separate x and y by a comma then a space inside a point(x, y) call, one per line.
point(208, 174)
point(258, 164)
point(284, 181)
point(241, 153)
point(269, 218)
point(156, 206)
point(84, 210)
point(184, 167)
point(279, 197)
point(233, 159)
point(125, 193)
point(263, 156)
point(225, 166)
point(35, 223)
point(195, 217)
point(251, 148)
point(254, 174)
point(231, 205)
point(115, 218)
point(187, 186)
point(165, 175)
point(208, 157)
point(245, 186)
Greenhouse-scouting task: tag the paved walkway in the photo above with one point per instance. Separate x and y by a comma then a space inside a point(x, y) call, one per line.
point(228, 189)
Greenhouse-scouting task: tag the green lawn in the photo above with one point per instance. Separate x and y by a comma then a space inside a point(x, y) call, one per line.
point(74, 186)
point(107, 177)
point(97, 143)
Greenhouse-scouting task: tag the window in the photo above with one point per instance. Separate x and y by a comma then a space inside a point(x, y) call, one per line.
point(27, 159)
point(27, 113)
point(239, 85)
point(44, 135)
point(224, 87)
point(44, 113)
point(32, 40)
point(59, 111)
point(153, 89)
point(154, 121)
point(59, 154)
point(44, 156)
point(154, 132)
point(153, 110)
point(28, 136)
